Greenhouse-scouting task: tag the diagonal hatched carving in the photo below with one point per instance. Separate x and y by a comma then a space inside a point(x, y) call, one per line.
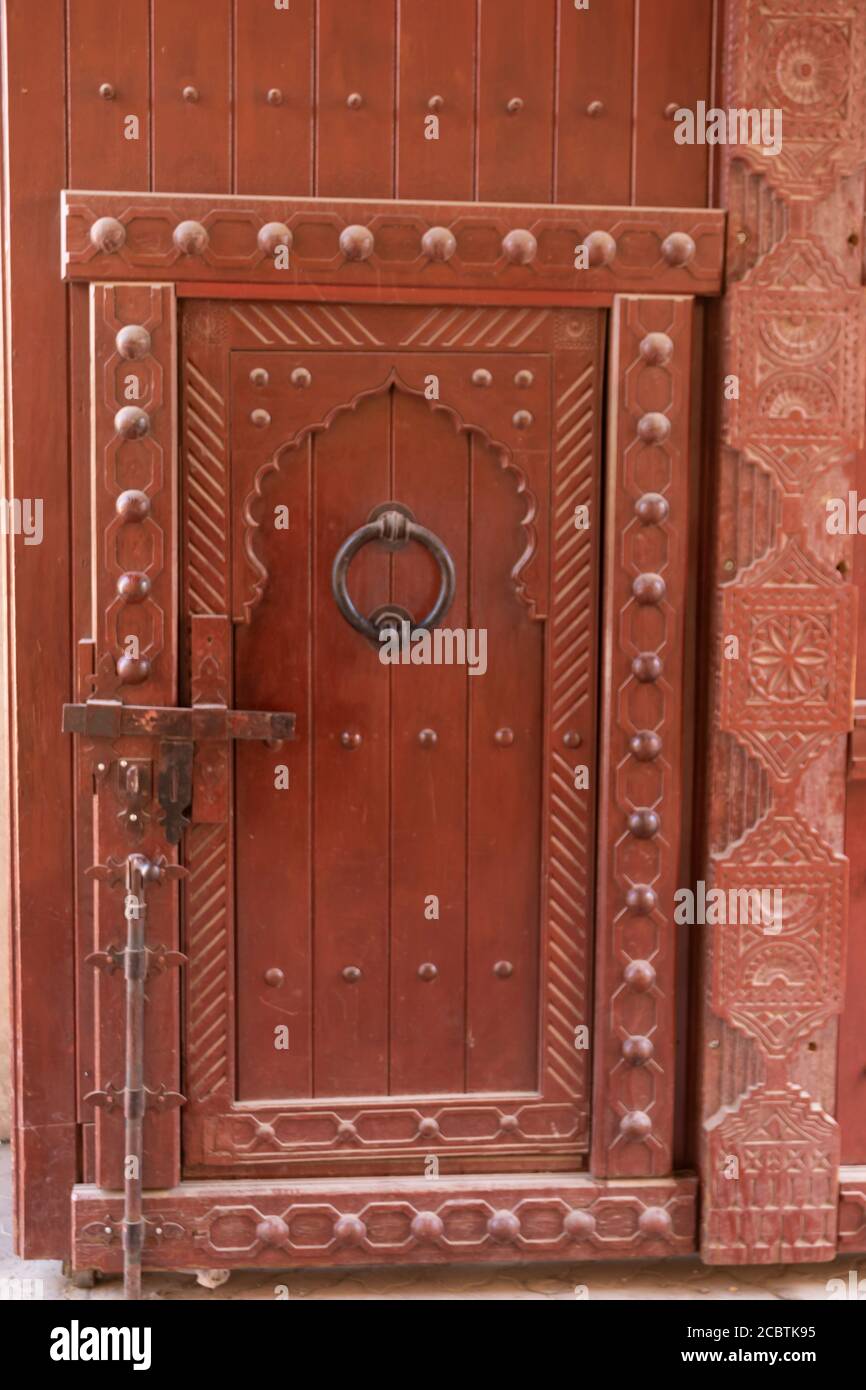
point(206, 890)
point(571, 671)
point(206, 485)
point(475, 328)
point(304, 325)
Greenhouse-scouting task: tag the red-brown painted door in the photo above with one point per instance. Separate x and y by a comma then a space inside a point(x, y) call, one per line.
point(388, 926)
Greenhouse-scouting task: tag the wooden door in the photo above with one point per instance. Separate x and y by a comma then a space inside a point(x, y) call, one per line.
point(388, 922)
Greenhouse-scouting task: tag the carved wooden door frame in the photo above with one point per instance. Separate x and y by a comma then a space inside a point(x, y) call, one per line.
point(646, 268)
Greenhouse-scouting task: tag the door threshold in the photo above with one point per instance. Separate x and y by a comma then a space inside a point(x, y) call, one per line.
point(327, 1222)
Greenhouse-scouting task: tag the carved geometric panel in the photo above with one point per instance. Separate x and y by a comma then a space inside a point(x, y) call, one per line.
point(772, 1160)
point(796, 342)
point(780, 980)
point(789, 689)
point(805, 58)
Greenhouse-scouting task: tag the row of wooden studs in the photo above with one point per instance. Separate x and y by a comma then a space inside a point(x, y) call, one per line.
point(651, 509)
point(357, 243)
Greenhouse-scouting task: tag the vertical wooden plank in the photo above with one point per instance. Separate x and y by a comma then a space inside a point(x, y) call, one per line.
point(274, 886)
point(130, 543)
point(350, 781)
point(35, 391)
point(191, 96)
point(640, 806)
point(515, 100)
point(436, 77)
point(428, 778)
point(594, 102)
point(506, 721)
point(273, 97)
point(82, 608)
point(674, 69)
point(355, 99)
point(109, 63)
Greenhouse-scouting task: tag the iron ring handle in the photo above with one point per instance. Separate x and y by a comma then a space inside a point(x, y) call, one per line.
point(393, 525)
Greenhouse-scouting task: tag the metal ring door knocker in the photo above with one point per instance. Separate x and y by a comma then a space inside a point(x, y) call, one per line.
point(393, 526)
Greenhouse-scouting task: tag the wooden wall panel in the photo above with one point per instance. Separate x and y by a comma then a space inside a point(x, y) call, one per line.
point(781, 705)
point(192, 133)
point(436, 76)
point(594, 103)
point(428, 782)
point(673, 69)
point(504, 781)
point(351, 1042)
point(273, 97)
point(35, 388)
point(274, 869)
point(515, 100)
point(109, 65)
point(355, 61)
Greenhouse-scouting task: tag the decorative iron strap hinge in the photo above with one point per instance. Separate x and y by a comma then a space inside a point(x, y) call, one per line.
point(178, 731)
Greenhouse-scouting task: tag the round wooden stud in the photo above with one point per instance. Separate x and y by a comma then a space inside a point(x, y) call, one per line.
point(637, 1051)
point(133, 587)
point(272, 235)
point(272, 1230)
point(644, 823)
point(639, 975)
point(132, 505)
point(519, 246)
point(652, 508)
point(350, 1230)
point(133, 670)
point(678, 249)
point(580, 1225)
point(653, 428)
point(641, 900)
point(131, 422)
point(503, 1226)
point(655, 1221)
point(107, 235)
point(191, 238)
point(133, 342)
point(645, 746)
point(600, 248)
point(649, 588)
point(657, 349)
point(636, 1125)
point(426, 1225)
point(356, 243)
point(648, 666)
point(439, 243)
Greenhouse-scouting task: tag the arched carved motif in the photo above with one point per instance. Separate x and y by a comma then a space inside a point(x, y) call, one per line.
point(393, 379)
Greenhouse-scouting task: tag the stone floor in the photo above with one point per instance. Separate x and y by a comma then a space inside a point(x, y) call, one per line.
point(681, 1279)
